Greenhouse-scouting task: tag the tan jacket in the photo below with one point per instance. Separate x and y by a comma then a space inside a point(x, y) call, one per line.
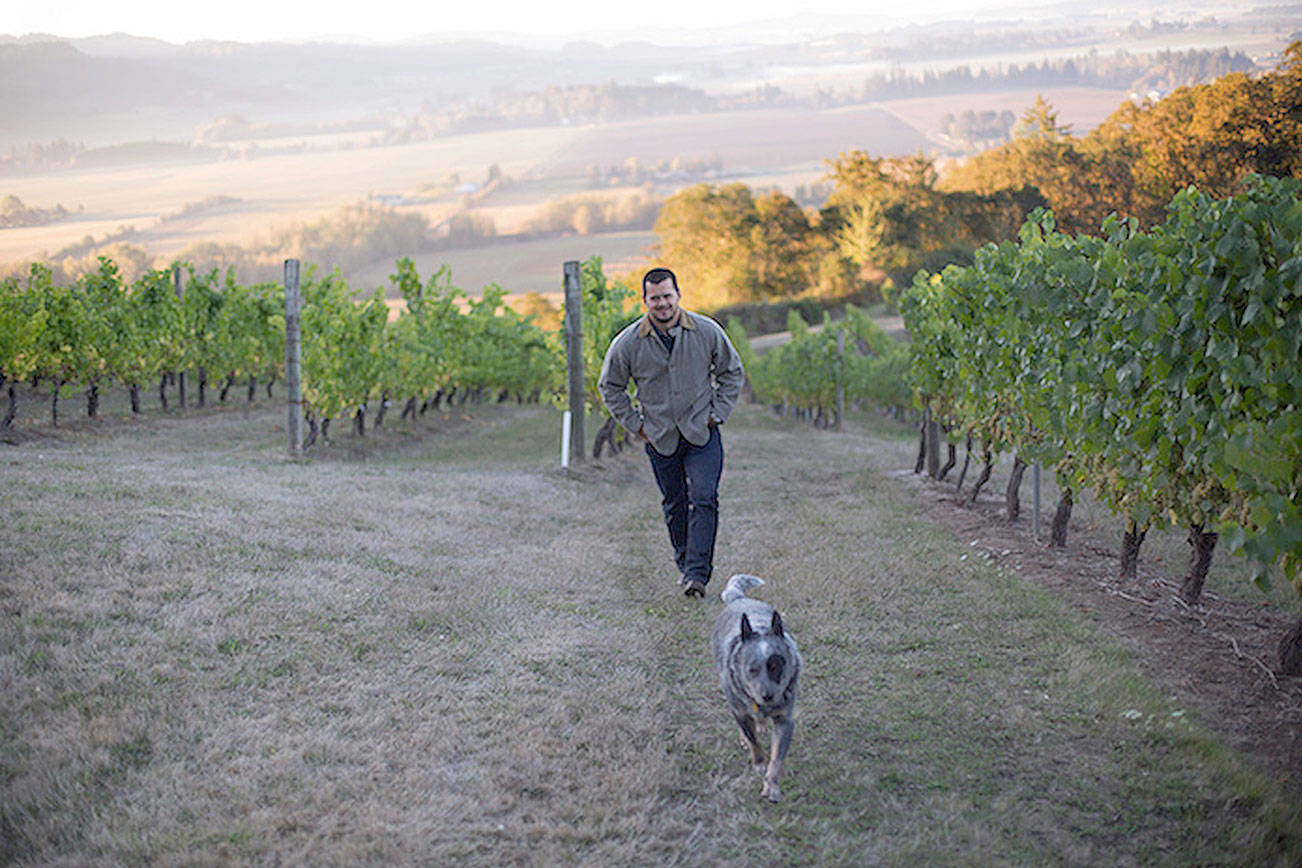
point(677, 393)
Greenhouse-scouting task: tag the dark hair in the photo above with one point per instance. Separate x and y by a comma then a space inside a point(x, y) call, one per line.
point(659, 275)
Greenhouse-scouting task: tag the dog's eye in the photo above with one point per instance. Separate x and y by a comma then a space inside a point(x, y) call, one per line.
point(754, 672)
point(775, 665)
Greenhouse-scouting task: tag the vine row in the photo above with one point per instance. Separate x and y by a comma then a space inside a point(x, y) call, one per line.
point(442, 346)
point(1159, 369)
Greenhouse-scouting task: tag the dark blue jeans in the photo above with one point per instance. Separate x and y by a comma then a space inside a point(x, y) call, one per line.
point(689, 481)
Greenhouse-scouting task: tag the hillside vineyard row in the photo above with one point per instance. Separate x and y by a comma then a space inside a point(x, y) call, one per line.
point(1159, 369)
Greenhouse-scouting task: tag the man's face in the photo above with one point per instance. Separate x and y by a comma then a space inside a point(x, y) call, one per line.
point(661, 300)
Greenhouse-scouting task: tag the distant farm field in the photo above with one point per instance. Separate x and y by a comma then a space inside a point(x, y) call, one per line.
point(763, 148)
point(520, 267)
point(746, 141)
point(1082, 107)
point(273, 190)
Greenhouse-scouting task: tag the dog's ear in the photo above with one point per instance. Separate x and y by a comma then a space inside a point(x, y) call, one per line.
point(746, 631)
point(777, 623)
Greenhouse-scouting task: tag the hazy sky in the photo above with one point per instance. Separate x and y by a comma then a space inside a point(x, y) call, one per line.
point(253, 20)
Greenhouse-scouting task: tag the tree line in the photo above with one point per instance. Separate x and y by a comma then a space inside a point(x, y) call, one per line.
point(1163, 71)
point(14, 213)
point(1211, 135)
point(587, 103)
point(884, 218)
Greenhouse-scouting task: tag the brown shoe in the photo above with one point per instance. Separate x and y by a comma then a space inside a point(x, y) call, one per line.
point(693, 588)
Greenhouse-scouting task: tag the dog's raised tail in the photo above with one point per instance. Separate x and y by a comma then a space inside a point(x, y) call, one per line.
point(738, 585)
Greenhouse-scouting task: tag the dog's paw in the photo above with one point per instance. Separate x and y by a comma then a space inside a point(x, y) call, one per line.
point(772, 791)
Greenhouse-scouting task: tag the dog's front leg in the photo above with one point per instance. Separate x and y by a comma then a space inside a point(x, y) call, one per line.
point(782, 729)
point(747, 724)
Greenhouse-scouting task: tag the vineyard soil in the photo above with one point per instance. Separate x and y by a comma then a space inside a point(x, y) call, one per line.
point(434, 645)
point(1220, 656)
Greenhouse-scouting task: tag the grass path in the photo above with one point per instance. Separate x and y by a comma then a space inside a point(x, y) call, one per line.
point(443, 649)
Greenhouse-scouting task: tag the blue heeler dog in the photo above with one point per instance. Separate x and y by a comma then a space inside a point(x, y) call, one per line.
point(758, 665)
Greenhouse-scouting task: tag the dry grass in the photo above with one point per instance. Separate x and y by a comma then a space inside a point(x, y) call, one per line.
point(437, 647)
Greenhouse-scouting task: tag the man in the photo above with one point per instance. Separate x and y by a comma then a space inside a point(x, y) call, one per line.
point(687, 376)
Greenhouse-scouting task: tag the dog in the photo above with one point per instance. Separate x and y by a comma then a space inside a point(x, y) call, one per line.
point(758, 667)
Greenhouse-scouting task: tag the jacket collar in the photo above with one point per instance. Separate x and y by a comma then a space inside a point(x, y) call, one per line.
point(684, 320)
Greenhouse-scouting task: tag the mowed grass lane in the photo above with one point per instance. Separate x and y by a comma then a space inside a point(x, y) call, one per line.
point(437, 647)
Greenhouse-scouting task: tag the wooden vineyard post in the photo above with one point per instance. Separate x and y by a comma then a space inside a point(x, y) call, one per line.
point(180, 296)
point(1035, 520)
point(933, 445)
point(840, 379)
point(574, 356)
point(293, 359)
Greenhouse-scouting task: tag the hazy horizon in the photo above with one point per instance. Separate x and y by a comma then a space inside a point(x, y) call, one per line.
point(388, 21)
